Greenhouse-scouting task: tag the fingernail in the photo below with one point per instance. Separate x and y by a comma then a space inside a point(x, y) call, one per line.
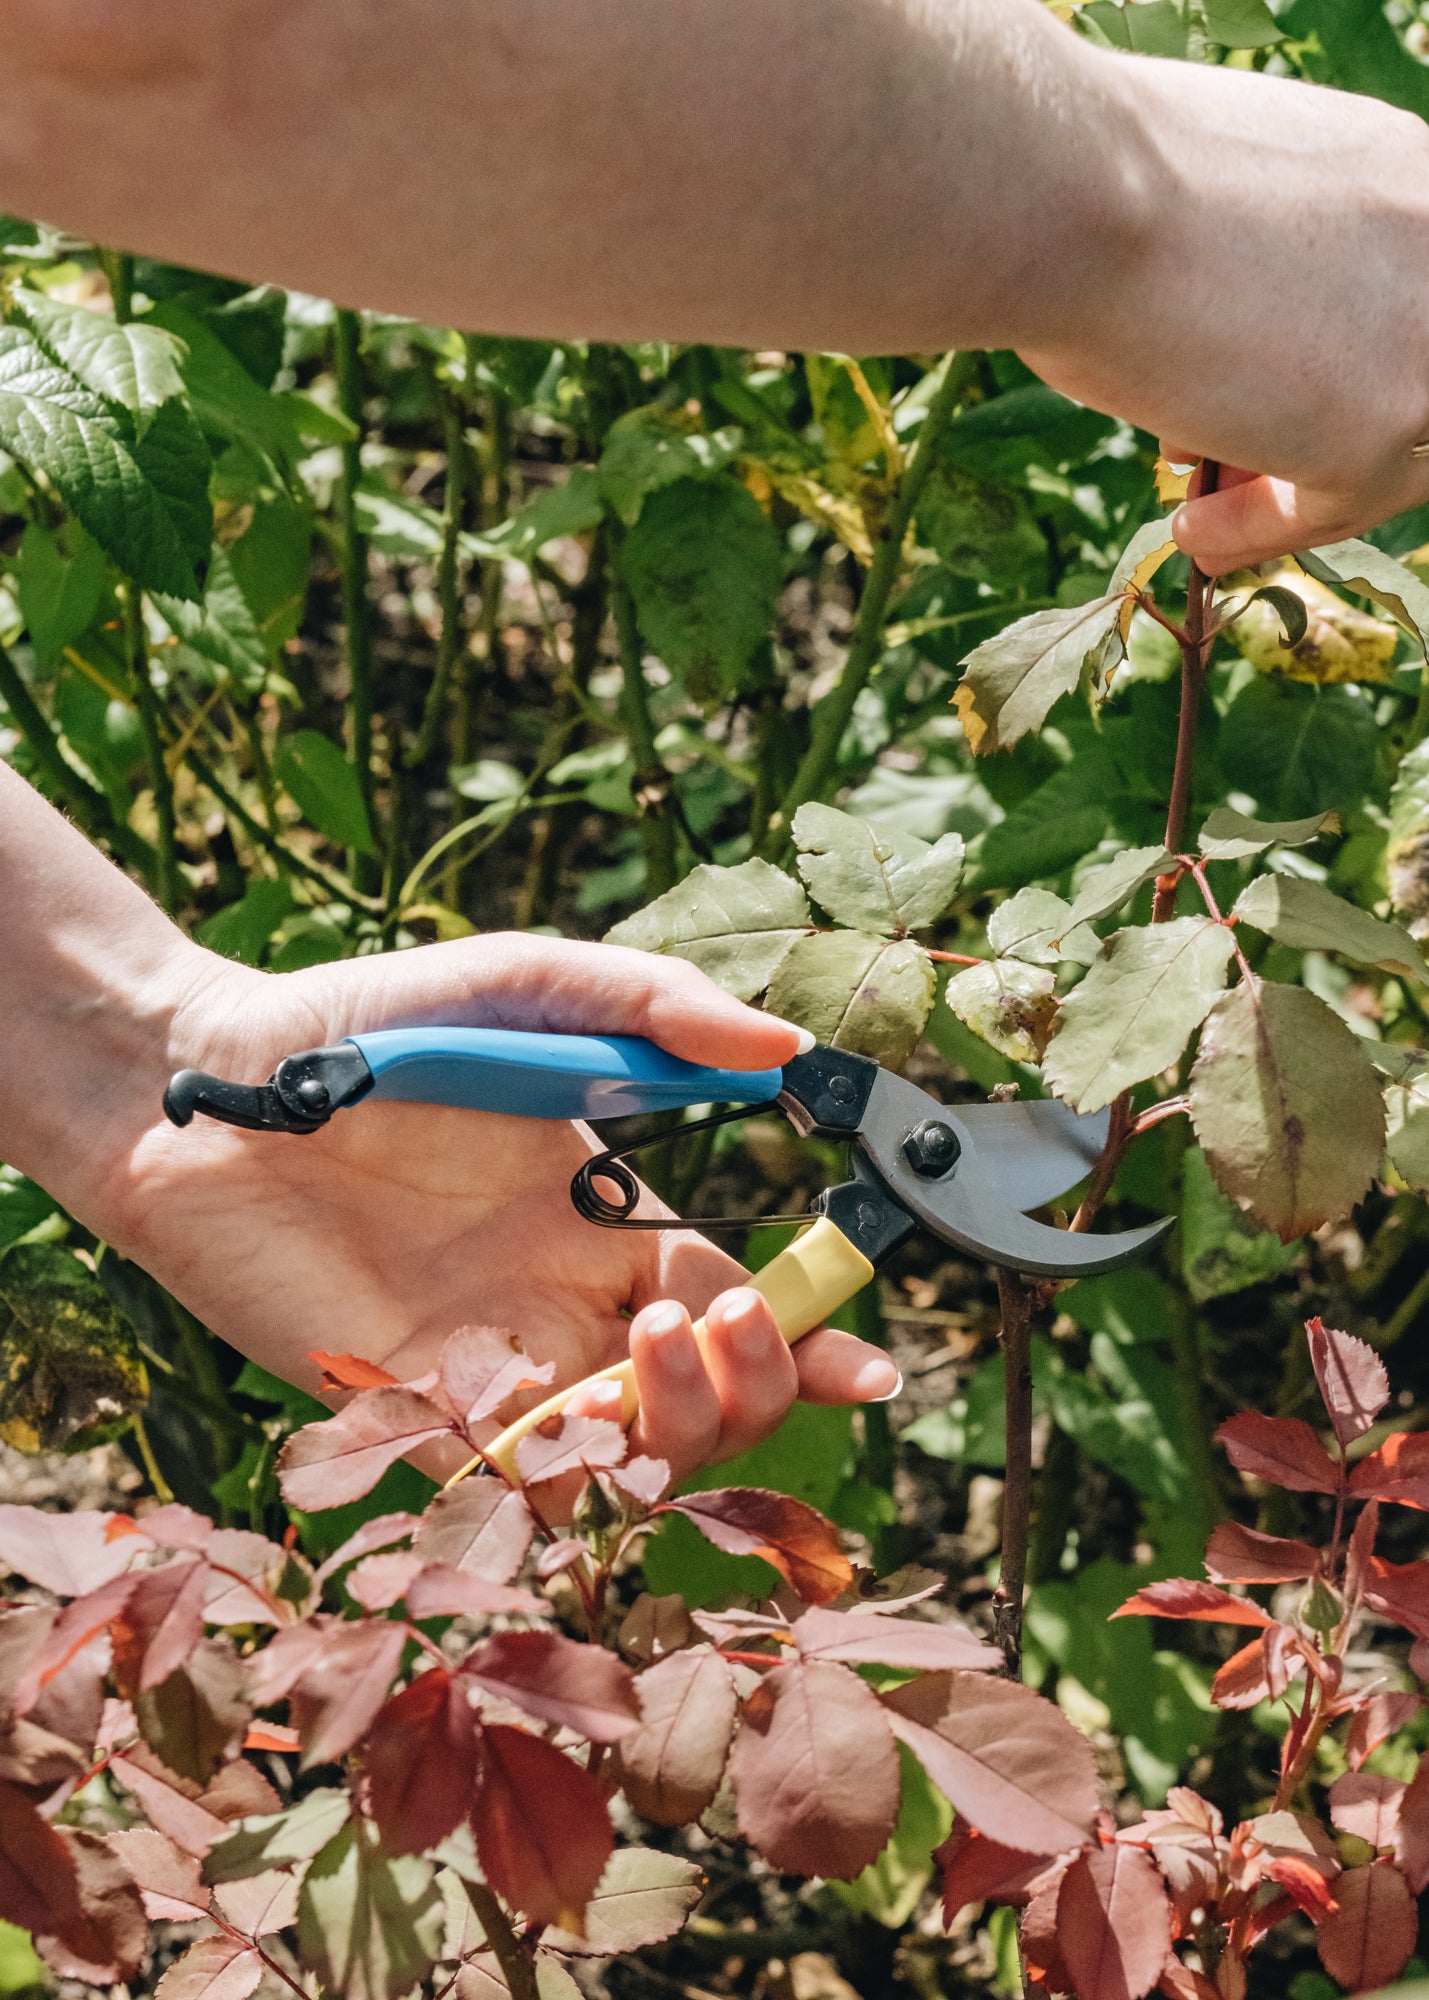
point(745, 1323)
point(806, 1039)
point(877, 1381)
point(675, 1352)
point(664, 1319)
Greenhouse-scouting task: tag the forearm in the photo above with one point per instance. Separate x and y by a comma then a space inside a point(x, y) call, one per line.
point(91, 981)
point(863, 175)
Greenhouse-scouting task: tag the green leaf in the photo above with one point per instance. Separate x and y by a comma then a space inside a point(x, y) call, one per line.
point(145, 500)
point(736, 924)
point(1407, 855)
point(1406, 1124)
point(889, 1888)
point(1048, 830)
point(1148, 27)
point(226, 400)
point(1106, 888)
point(875, 877)
point(1294, 618)
point(1133, 1013)
point(571, 509)
point(1125, 1415)
point(1307, 917)
point(1232, 836)
point(1352, 43)
point(222, 629)
point(24, 1205)
point(243, 929)
point(1008, 1004)
point(1241, 24)
point(1222, 1249)
point(1286, 1106)
point(647, 449)
point(69, 1359)
point(1298, 749)
point(59, 593)
point(323, 785)
point(703, 565)
point(369, 1924)
point(1036, 926)
point(264, 1841)
point(972, 1430)
point(134, 365)
point(857, 992)
point(1011, 682)
point(1361, 567)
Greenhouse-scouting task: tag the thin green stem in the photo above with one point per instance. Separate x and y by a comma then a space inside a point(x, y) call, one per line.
point(285, 856)
point(652, 781)
point(119, 270)
point(151, 729)
point(151, 1464)
point(453, 637)
point(347, 334)
point(517, 1964)
point(833, 713)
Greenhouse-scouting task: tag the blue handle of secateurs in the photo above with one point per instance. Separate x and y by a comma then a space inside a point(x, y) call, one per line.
point(548, 1076)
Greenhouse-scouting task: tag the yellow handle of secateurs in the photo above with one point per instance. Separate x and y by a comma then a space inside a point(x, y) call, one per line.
point(805, 1283)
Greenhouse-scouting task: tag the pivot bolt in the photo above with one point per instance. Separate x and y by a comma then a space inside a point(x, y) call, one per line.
point(932, 1149)
point(312, 1093)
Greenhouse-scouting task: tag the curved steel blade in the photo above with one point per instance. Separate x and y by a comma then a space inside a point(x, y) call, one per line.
point(1035, 1150)
point(969, 1207)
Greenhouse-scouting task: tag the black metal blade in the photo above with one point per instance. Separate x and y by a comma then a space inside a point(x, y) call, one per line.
point(1036, 1150)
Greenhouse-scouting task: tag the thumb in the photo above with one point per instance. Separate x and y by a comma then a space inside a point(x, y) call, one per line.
point(1256, 521)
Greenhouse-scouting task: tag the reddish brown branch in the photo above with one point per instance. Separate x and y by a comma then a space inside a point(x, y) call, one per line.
point(1017, 1299)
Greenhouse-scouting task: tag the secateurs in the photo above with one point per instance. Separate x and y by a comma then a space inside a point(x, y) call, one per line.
point(966, 1173)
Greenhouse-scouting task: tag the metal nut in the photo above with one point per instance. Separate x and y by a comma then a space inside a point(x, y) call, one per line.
point(931, 1149)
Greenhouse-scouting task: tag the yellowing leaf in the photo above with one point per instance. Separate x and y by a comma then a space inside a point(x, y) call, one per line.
point(1011, 682)
point(1286, 1107)
point(1172, 482)
point(1340, 643)
point(1008, 1004)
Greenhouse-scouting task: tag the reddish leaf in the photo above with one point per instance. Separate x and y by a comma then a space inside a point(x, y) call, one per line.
point(169, 1880)
point(1308, 1887)
point(797, 1540)
point(1352, 1379)
point(30, 1755)
point(1240, 1555)
point(271, 1736)
point(170, 1801)
point(94, 1928)
point(671, 1764)
point(642, 1480)
point(1365, 1942)
point(1419, 1659)
point(1282, 1450)
point(1010, 1762)
point(1180, 1982)
point(421, 1757)
point(1114, 1923)
point(584, 1687)
point(171, 1527)
point(350, 1371)
point(197, 1718)
point(1260, 1671)
point(644, 1897)
point(1367, 1807)
point(330, 1463)
point(377, 1582)
point(1379, 1717)
point(542, 1830)
point(69, 1554)
point(246, 1570)
point(1412, 1840)
point(1181, 1597)
point(71, 1632)
point(861, 1636)
point(35, 1865)
point(276, 1671)
point(1401, 1592)
point(480, 1526)
point(338, 1695)
point(559, 1556)
point(481, 1367)
point(1360, 1553)
point(258, 1904)
point(240, 1790)
point(216, 1968)
point(1038, 1934)
point(1398, 1471)
point(978, 1870)
point(379, 1533)
point(439, 1592)
point(159, 1625)
point(815, 1771)
point(568, 1444)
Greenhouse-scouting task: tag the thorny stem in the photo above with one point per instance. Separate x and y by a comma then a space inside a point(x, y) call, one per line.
point(953, 957)
point(1017, 1299)
point(831, 716)
point(517, 1964)
point(347, 329)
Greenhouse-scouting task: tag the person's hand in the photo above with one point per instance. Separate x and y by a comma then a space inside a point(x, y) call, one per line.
point(393, 1225)
point(1279, 318)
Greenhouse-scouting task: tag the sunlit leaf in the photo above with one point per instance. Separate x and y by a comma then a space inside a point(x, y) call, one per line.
point(874, 877)
point(815, 1771)
point(1311, 918)
point(867, 994)
point(736, 924)
point(1009, 1005)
